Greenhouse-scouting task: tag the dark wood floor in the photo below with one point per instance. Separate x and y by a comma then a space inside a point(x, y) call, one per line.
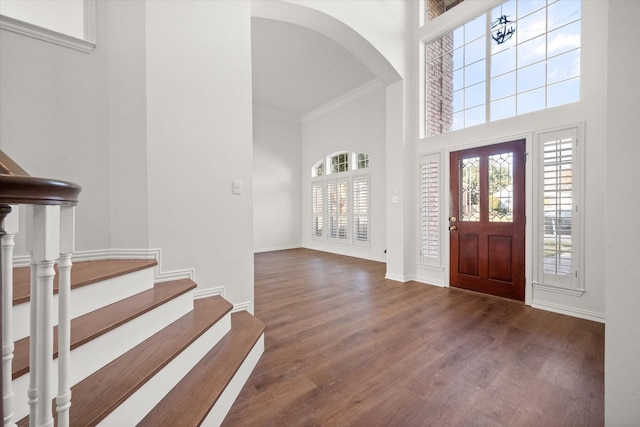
point(344, 346)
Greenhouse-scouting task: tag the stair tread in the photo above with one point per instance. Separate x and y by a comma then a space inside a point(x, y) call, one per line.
point(189, 402)
point(96, 323)
point(99, 394)
point(82, 273)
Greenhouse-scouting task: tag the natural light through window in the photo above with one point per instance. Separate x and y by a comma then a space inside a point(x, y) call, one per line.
point(340, 198)
point(519, 57)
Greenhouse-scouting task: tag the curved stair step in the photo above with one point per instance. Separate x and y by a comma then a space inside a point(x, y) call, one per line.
point(82, 273)
point(97, 323)
point(190, 401)
point(97, 396)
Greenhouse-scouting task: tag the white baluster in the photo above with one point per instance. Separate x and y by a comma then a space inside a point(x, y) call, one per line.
point(46, 249)
point(10, 228)
point(67, 234)
point(32, 392)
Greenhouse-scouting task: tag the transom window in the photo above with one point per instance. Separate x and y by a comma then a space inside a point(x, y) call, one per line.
point(519, 57)
point(340, 162)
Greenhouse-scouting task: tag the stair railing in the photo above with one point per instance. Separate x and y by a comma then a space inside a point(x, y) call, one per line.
point(49, 207)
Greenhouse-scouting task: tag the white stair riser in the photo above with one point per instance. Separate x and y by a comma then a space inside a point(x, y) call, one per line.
point(95, 354)
point(134, 409)
point(225, 401)
point(89, 298)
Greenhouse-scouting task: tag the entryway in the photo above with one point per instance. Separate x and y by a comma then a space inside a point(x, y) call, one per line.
point(487, 219)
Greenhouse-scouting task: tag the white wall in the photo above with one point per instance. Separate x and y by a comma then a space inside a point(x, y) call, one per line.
point(384, 24)
point(622, 233)
point(277, 207)
point(199, 140)
point(125, 44)
point(54, 122)
point(590, 110)
point(359, 126)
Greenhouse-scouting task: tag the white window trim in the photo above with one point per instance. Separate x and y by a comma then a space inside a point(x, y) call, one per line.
point(30, 30)
point(576, 285)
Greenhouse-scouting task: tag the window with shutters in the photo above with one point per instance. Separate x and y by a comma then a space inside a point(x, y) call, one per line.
point(340, 199)
point(430, 248)
point(317, 210)
point(360, 210)
point(558, 208)
point(337, 211)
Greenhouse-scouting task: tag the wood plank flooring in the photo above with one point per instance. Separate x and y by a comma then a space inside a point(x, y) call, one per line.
point(345, 347)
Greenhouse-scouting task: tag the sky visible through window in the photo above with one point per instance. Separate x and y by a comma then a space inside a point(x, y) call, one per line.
point(521, 56)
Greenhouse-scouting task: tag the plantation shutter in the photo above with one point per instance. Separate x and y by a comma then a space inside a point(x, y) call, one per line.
point(430, 210)
point(558, 222)
point(361, 210)
point(317, 209)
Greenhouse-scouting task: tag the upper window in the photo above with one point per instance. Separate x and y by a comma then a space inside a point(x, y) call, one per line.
point(69, 23)
point(519, 57)
point(340, 162)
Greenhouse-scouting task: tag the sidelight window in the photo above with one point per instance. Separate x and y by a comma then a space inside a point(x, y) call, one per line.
point(558, 208)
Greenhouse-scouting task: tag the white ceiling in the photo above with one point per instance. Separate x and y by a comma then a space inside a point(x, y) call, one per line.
point(296, 70)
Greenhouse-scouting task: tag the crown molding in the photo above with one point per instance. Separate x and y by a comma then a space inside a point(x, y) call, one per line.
point(345, 99)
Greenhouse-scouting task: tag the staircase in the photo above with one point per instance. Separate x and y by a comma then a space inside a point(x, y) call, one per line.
point(142, 353)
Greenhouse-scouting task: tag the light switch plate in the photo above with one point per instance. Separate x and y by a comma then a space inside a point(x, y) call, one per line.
point(236, 186)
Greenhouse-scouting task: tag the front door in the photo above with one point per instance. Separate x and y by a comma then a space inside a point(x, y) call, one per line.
point(487, 220)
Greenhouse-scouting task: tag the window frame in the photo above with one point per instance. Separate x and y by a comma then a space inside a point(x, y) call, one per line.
point(86, 44)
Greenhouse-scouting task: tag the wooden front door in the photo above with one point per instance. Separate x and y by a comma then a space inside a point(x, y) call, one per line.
point(487, 220)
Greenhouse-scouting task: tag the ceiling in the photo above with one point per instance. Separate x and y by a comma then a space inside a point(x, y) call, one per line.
point(296, 70)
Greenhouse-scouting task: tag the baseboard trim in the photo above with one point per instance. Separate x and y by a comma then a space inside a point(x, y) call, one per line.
point(208, 292)
point(397, 278)
point(426, 281)
point(569, 311)
point(276, 248)
point(242, 306)
point(94, 255)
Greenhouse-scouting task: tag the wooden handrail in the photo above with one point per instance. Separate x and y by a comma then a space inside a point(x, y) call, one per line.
point(17, 187)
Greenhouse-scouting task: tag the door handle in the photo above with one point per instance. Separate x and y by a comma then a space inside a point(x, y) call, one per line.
point(452, 228)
